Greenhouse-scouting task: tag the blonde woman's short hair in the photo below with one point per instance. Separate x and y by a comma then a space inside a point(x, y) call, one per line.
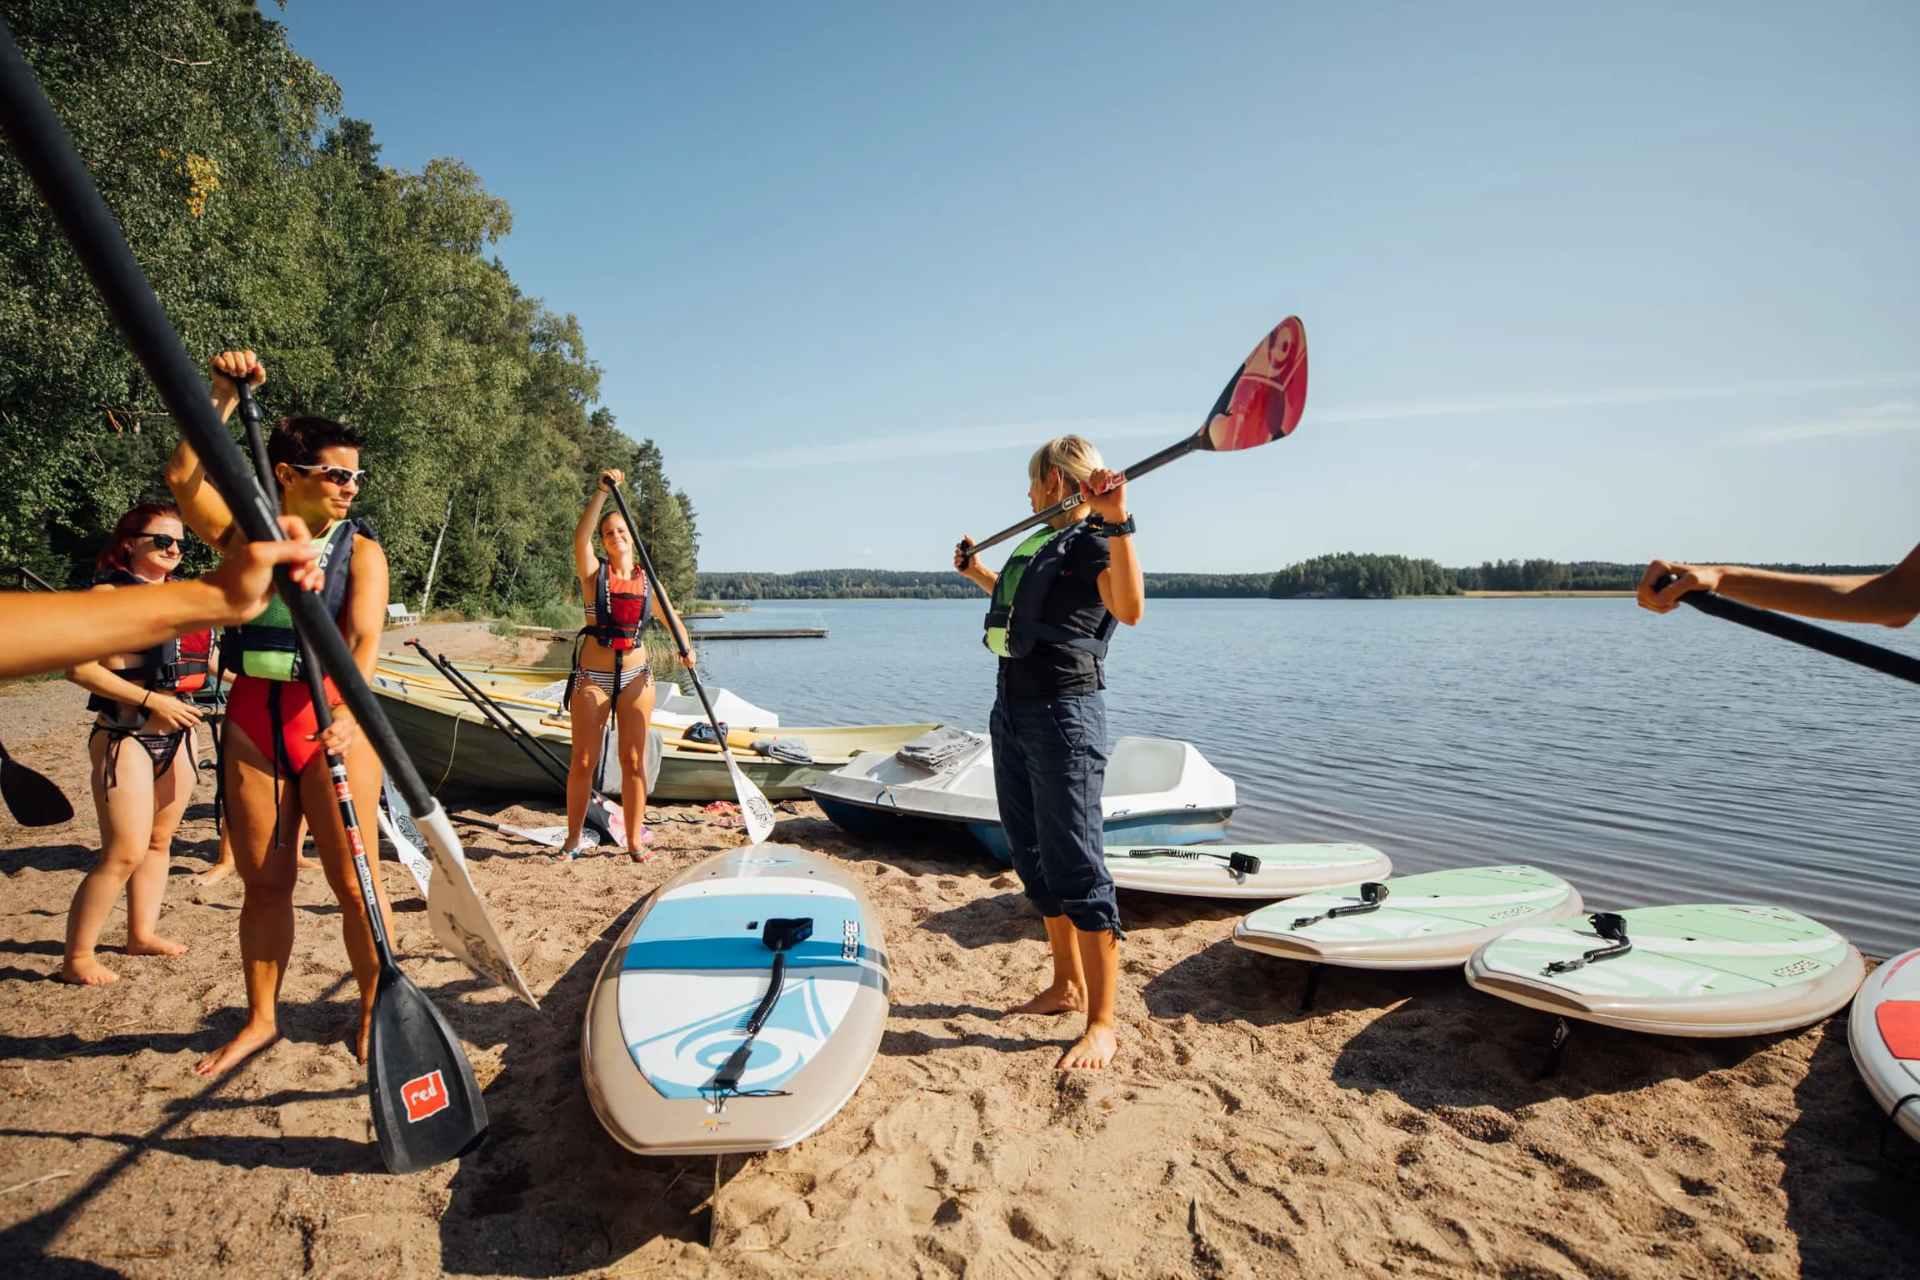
point(1072, 456)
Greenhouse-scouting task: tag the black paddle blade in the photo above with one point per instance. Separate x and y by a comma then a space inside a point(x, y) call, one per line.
point(426, 1104)
point(1265, 397)
point(31, 798)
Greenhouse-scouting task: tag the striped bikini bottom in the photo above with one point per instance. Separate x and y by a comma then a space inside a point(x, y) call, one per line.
point(605, 679)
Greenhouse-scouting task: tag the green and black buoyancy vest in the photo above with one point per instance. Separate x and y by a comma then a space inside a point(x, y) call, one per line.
point(268, 646)
point(1013, 616)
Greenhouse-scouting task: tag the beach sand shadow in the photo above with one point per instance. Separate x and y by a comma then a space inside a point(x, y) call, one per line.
point(1448, 1046)
point(1851, 1207)
point(549, 1193)
point(51, 857)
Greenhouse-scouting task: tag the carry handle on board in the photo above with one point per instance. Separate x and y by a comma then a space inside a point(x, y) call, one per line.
point(426, 1104)
point(779, 936)
point(1611, 927)
point(1832, 643)
point(66, 184)
point(1372, 894)
point(1261, 402)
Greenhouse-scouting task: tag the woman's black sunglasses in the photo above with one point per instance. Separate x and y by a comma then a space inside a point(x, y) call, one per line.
point(164, 541)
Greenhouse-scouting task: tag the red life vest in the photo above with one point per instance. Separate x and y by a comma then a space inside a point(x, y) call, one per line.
point(172, 666)
point(621, 607)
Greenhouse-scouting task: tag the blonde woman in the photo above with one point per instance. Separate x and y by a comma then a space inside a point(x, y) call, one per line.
point(1055, 604)
point(610, 671)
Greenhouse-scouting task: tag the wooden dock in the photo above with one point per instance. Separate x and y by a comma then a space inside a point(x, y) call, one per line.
point(787, 633)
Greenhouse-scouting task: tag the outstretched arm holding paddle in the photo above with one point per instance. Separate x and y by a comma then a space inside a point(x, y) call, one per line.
point(53, 631)
point(1891, 599)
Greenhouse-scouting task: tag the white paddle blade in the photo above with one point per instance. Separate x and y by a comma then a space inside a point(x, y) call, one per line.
point(551, 837)
point(459, 917)
point(753, 806)
point(412, 856)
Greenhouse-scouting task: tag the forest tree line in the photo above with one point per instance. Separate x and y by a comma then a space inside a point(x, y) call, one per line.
point(266, 220)
point(1345, 576)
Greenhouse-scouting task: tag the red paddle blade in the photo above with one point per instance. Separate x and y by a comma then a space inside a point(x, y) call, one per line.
point(1266, 398)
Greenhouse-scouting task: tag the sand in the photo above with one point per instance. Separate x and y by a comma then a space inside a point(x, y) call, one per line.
point(1396, 1129)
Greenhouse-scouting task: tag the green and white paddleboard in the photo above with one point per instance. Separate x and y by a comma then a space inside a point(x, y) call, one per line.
point(1434, 920)
point(1716, 969)
point(1228, 870)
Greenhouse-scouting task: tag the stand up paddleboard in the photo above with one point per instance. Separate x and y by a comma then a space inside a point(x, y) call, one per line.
point(1434, 920)
point(740, 1009)
point(1717, 969)
point(1243, 870)
point(1884, 1034)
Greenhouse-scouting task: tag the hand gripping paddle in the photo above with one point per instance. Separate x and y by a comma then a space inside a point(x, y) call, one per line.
point(426, 1104)
point(64, 182)
point(1262, 402)
point(1832, 643)
point(753, 806)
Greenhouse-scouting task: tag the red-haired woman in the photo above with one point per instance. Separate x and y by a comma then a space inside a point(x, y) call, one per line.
point(143, 771)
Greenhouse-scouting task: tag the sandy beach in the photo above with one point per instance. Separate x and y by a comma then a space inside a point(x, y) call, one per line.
point(1396, 1129)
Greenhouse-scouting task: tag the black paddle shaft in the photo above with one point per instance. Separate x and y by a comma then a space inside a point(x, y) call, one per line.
point(1831, 643)
point(65, 184)
point(679, 640)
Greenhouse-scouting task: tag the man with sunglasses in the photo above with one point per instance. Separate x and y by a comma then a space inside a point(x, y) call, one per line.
point(273, 771)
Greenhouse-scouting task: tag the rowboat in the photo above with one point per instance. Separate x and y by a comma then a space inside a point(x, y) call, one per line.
point(453, 745)
point(1157, 792)
point(672, 707)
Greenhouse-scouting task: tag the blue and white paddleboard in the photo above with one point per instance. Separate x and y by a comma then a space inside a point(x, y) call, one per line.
point(690, 1047)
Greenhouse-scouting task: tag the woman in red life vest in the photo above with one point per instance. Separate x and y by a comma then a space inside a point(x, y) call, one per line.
point(143, 771)
point(610, 669)
point(274, 770)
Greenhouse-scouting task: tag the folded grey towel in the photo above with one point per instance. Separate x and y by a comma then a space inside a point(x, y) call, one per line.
point(789, 750)
point(941, 749)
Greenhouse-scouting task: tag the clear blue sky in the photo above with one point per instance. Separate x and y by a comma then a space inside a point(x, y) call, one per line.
point(1578, 281)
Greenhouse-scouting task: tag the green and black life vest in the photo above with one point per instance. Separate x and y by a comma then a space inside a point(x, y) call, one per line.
point(1013, 616)
point(268, 646)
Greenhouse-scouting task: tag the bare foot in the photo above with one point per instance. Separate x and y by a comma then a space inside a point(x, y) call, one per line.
point(1056, 999)
point(302, 862)
point(85, 971)
point(366, 1031)
point(1092, 1051)
point(156, 946)
point(213, 875)
point(252, 1039)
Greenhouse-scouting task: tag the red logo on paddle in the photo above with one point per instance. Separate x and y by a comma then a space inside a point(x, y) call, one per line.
point(424, 1097)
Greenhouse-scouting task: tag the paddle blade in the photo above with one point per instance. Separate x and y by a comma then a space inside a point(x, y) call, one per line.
point(427, 1107)
point(31, 798)
point(396, 820)
point(1264, 400)
point(459, 918)
point(753, 806)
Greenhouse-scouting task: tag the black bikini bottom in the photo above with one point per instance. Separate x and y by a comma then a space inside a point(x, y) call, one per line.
point(161, 747)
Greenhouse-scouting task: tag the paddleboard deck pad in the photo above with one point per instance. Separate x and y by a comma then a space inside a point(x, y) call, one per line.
point(1714, 969)
point(1884, 1034)
point(691, 981)
point(1433, 920)
point(1243, 870)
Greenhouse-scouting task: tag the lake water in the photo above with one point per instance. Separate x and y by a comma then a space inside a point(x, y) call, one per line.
point(1646, 759)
